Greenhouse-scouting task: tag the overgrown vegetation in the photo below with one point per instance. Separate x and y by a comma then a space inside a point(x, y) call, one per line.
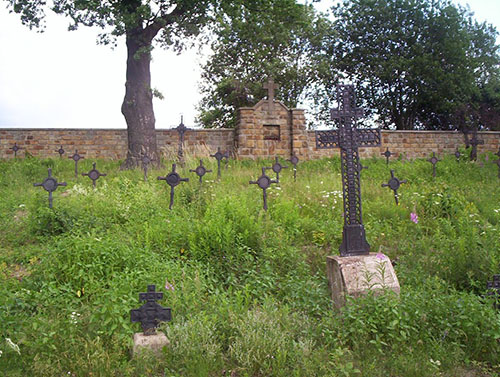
point(250, 295)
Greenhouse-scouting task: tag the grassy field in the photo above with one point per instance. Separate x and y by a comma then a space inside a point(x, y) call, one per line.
point(250, 294)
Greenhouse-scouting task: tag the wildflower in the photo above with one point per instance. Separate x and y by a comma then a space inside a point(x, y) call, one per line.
point(381, 256)
point(414, 217)
point(168, 286)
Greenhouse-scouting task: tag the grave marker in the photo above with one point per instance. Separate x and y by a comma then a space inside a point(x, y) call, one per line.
point(498, 164)
point(277, 167)
point(50, 185)
point(457, 155)
point(173, 179)
point(60, 151)
point(15, 148)
point(264, 182)
point(433, 160)
point(76, 157)
point(94, 174)
point(294, 160)
point(200, 171)
point(219, 156)
point(271, 87)
point(181, 130)
point(349, 138)
point(151, 313)
point(493, 288)
point(474, 142)
point(387, 155)
point(394, 183)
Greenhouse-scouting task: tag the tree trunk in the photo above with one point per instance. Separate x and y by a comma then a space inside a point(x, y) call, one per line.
point(137, 106)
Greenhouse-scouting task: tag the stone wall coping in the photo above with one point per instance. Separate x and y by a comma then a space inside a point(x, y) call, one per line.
point(426, 132)
point(112, 129)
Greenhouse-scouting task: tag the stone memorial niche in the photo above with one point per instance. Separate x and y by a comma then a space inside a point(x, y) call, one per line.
point(173, 179)
point(271, 129)
point(150, 315)
point(50, 185)
point(394, 183)
point(356, 271)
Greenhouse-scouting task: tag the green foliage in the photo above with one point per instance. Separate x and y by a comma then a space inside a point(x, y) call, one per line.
point(250, 295)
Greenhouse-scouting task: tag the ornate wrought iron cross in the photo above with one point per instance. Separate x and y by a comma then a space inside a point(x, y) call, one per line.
point(277, 167)
point(181, 130)
point(151, 313)
point(219, 156)
point(15, 148)
point(200, 171)
point(433, 160)
point(172, 179)
point(76, 157)
point(94, 174)
point(264, 182)
point(294, 160)
point(60, 151)
point(394, 183)
point(387, 155)
point(271, 87)
point(50, 185)
point(349, 138)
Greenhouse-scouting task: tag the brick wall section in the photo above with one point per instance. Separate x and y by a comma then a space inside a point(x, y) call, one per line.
point(107, 143)
point(416, 144)
point(112, 143)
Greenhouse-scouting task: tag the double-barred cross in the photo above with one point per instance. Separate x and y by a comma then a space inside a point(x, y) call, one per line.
point(348, 138)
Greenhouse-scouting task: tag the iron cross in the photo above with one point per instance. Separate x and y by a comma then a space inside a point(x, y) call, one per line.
point(387, 155)
point(76, 157)
point(474, 142)
point(433, 160)
point(151, 313)
point(349, 138)
point(173, 179)
point(60, 151)
point(94, 174)
point(219, 156)
point(294, 160)
point(200, 171)
point(50, 185)
point(264, 182)
point(271, 87)
point(498, 164)
point(457, 155)
point(181, 130)
point(394, 184)
point(15, 148)
point(277, 167)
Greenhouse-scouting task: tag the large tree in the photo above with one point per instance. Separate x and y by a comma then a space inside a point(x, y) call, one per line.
point(416, 63)
point(169, 23)
point(255, 41)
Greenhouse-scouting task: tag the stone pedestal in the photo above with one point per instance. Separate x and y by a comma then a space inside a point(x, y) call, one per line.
point(355, 276)
point(153, 342)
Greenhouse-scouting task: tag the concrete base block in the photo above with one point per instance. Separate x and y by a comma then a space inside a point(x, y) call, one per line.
point(356, 276)
point(153, 342)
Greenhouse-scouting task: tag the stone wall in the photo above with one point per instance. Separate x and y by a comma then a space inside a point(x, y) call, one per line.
point(112, 143)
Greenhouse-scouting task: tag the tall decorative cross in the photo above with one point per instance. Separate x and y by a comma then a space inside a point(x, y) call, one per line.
point(15, 148)
point(271, 87)
point(200, 171)
point(264, 182)
point(349, 138)
point(76, 157)
point(94, 174)
point(219, 156)
point(394, 184)
point(433, 160)
point(181, 130)
point(50, 185)
point(173, 179)
point(151, 313)
point(60, 151)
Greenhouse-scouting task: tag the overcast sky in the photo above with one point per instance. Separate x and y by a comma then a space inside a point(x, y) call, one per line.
point(63, 79)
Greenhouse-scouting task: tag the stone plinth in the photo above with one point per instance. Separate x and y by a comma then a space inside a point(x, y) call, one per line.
point(356, 276)
point(153, 342)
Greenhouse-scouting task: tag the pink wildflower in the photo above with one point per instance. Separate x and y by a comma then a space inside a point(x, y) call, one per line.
point(168, 286)
point(381, 256)
point(414, 217)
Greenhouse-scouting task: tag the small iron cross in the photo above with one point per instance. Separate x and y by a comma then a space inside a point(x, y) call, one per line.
point(200, 171)
point(94, 174)
point(498, 164)
point(264, 182)
point(433, 160)
point(394, 183)
point(145, 160)
point(181, 130)
point(50, 185)
point(277, 167)
point(15, 148)
point(173, 179)
point(498, 153)
point(76, 157)
point(294, 160)
point(457, 155)
point(271, 87)
point(219, 156)
point(387, 155)
point(151, 313)
point(474, 142)
point(494, 289)
point(60, 151)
